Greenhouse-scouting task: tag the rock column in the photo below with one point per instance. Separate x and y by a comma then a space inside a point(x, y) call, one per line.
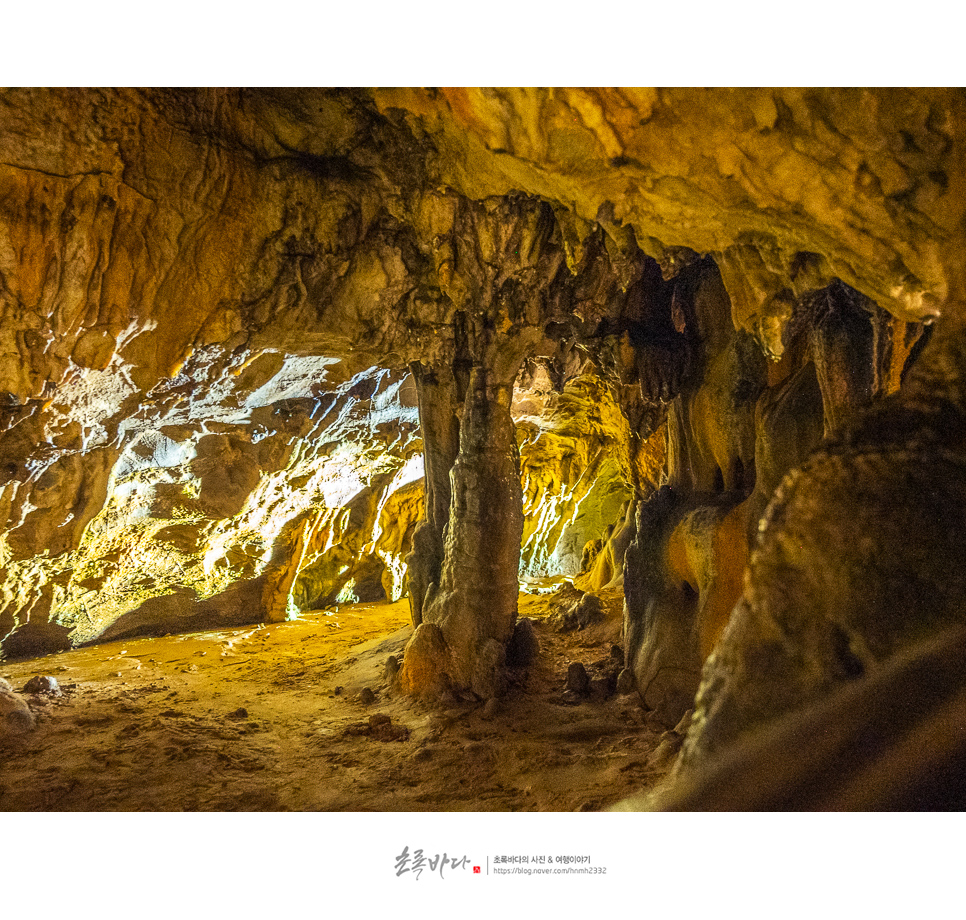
point(476, 604)
point(468, 616)
point(438, 394)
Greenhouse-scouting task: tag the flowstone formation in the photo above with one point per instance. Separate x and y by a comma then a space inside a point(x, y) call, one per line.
point(507, 276)
point(826, 603)
point(736, 427)
point(265, 351)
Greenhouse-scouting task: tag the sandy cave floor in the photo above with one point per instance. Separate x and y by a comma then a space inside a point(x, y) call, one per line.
point(267, 718)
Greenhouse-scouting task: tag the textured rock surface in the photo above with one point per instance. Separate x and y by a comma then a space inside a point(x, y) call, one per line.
point(856, 564)
point(15, 716)
point(788, 187)
point(204, 527)
point(580, 462)
point(891, 741)
point(736, 426)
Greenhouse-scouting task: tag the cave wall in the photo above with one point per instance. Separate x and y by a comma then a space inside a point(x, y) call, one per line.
point(166, 369)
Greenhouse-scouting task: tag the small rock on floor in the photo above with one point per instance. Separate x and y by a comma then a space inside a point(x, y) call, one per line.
point(366, 696)
point(15, 716)
point(577, 679)
point(524, 646)
point(600, 689)
point(386, 731)
point(42, 684)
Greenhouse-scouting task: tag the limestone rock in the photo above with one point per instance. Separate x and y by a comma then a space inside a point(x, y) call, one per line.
point(524, 646)
point(625, 682)
point(426, 662)
point(631, 150)
point(578, 462)
point(43, 684)
point(15, 716)
point(489, 679)
point(579, 613)
point(36, 638)
point(391, 669)
point(250, 339)
point(577, 679)
point(851, 748)
point(601, 689)
point(836, 571)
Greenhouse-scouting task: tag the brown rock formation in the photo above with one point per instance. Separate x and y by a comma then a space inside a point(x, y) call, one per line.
point(854, 564)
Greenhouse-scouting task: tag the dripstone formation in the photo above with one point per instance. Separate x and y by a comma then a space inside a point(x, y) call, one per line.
point(264, 351)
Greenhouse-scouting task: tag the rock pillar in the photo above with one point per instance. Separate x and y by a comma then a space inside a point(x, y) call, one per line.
point(439, 401)
point(476, 604)
point(468, 615)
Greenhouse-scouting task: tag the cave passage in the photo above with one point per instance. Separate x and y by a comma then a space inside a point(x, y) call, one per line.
point(625, 416)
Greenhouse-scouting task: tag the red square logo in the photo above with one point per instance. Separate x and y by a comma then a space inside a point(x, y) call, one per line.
point(476, 870)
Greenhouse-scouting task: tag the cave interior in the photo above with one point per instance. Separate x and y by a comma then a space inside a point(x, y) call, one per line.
point(482, 449)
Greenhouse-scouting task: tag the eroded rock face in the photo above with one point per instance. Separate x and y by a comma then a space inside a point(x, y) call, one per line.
point(736, 426)
point(855, 565)
point(791, 188)
point(475, 601)
point(579, 470)
point(164, 348)
point(221, 522)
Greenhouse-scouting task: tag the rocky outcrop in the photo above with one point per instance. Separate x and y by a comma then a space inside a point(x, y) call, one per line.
point(736, 426)
point(579, 467)
point(195, 514)
point(788, 188)
point(888, 741)
point(855, 564)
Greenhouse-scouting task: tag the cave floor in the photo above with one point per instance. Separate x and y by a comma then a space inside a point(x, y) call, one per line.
point(267, 718)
